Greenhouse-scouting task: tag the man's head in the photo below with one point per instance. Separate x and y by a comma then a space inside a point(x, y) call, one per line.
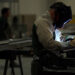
point(5, 12)
point(60, 14)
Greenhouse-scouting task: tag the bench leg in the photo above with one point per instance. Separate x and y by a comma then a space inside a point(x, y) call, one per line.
point(12, 67)
point(13, 73)
point(6, 67)
point(20, 62)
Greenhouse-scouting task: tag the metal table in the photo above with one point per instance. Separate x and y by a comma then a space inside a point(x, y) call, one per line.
point(12, 49)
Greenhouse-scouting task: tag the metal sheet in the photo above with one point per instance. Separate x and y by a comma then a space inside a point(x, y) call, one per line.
point(15, 44)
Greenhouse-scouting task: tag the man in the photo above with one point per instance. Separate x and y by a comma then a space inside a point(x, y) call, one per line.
point(45, 26)
point(44, 34)
point(5, 32)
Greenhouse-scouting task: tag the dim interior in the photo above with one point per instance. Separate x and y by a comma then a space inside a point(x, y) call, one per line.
point(26, 39)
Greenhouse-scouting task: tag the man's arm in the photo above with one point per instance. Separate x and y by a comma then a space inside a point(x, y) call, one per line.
point(46, 37)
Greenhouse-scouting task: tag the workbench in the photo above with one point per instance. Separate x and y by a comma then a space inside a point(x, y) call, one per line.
point(9, 49)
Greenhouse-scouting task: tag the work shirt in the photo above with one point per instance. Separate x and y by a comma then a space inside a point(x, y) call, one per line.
point(4, 29)
point(44, 31)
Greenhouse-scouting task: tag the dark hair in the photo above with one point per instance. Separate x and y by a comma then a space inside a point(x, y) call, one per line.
point(64, 11)
point(4, 11)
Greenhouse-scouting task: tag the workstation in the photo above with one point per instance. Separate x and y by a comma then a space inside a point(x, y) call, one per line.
point(37, 37)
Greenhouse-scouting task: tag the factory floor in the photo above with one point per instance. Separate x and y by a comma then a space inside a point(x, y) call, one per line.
point(26, 61)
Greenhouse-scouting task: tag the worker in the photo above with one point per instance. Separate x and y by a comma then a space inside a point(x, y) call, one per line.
point(44, 33)
point(15, 27)
point(45, 26)
point(5, 31)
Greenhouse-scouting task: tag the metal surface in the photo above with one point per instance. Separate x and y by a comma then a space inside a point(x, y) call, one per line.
point(15, 44)
point(69, 70)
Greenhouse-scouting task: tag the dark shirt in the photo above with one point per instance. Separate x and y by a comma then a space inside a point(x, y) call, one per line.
point(37, 46)
point(3, 28)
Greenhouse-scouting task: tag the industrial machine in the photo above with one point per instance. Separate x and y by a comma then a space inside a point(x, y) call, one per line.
point(55, 64)
point(62, 63)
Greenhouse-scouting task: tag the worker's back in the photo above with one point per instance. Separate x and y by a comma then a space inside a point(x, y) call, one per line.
point(35, 41)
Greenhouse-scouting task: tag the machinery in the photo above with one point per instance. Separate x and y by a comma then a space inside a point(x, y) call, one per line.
point(55, 64)
point(61, 63)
